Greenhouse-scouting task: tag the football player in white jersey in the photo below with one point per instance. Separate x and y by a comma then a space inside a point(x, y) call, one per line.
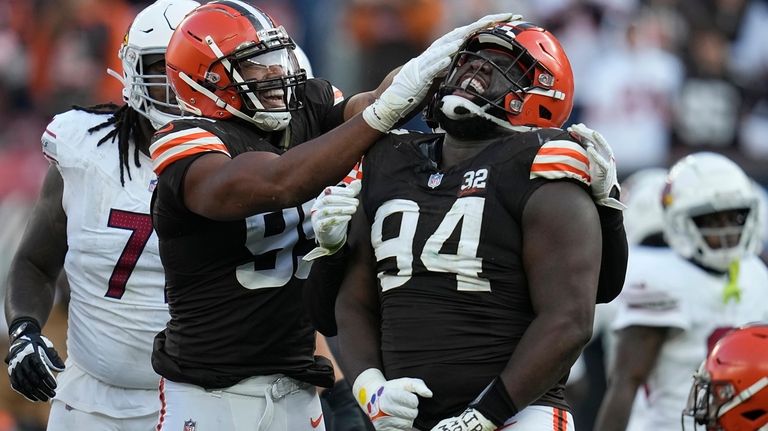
point(643, 221)
point(92, 219)
point(677, 303)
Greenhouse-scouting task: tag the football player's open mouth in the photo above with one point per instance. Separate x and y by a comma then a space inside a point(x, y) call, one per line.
point(473, 82)
point(272, 98)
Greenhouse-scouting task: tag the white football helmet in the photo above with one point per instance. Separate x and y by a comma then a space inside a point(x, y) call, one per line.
point(144, 44)
point(641, 192)
point(303, 60)
point(706, 183)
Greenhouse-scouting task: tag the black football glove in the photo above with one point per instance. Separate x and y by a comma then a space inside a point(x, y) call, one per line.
point(31, 361)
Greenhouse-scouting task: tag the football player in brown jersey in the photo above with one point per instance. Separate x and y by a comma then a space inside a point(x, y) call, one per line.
point(476, 252)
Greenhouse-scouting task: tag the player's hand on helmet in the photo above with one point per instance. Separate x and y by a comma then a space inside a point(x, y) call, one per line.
point(412, 82)
point(602, 166)
point(331, 213)
point(31, 362)
point(390, 404)
point(469, 420)
point(457, 36)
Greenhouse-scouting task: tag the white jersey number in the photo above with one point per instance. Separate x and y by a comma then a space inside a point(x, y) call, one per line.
point(465, 263)
point(271, 239)
point(141, 227)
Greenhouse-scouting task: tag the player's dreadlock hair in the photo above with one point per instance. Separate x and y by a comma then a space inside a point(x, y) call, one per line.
point(126, 124)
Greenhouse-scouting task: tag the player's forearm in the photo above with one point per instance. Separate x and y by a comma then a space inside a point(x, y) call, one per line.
point(40, 255)
point(359, 338)
point(616, 406)
point(256, 182)
point(30, 292)
point(326, 159)
point(541, 359)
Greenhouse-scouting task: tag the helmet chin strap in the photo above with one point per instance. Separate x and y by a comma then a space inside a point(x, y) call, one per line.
point(459, 108)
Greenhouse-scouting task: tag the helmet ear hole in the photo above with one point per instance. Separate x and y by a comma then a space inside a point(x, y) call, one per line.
point(545, 113)
point(754, 415)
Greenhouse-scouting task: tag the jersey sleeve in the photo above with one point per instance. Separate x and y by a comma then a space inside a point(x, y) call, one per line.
point(561, 159)
point(177, 141)
point(66, 138)
point(537, 163)
point(325, 103)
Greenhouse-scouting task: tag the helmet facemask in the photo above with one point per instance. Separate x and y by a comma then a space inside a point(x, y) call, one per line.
point(146, 87)
point(523, 81)
point(728, 242)
point(699, 400)
point(267, 77)
point(484, 84)
point(707, 196)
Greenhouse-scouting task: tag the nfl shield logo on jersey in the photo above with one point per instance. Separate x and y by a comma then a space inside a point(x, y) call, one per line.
point(190, 425)
point(435, 180)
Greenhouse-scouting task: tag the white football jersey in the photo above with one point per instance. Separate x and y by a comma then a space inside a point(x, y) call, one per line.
point(113, 265)
point(664, 290)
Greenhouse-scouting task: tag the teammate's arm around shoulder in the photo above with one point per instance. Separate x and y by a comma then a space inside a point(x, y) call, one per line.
point(31, 288)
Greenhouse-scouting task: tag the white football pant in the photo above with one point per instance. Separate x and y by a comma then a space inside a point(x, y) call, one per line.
point(263, 403)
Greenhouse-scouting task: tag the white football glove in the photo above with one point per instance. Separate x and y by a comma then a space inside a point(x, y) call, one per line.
point(411, 83)
point(602, 166)
point(469, 420)
point(390, 404)
point(331, 213)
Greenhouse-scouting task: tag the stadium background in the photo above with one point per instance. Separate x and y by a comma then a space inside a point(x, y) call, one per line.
point(659, 78)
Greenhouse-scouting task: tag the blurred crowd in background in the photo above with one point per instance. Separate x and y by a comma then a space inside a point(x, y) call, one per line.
point(658, 78)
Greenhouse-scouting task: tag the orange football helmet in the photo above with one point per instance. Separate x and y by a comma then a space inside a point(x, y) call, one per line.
point(730, 391)
point(531, 84)
point(214, 56)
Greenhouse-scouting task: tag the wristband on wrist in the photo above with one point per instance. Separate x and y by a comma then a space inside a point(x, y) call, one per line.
point(494, 403)
point(21, 326)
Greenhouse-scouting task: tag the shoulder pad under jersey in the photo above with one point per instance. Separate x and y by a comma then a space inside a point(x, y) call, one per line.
point(180, 139)
point(561, 159)
point(66, 140)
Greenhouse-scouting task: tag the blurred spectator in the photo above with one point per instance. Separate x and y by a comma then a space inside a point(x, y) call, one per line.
point(750, 64)
point(629, 94)
point(388, 31)
point(710, 102)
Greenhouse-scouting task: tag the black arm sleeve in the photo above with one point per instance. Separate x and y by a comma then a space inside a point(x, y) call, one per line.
point(321, 288)
point(613, 266)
